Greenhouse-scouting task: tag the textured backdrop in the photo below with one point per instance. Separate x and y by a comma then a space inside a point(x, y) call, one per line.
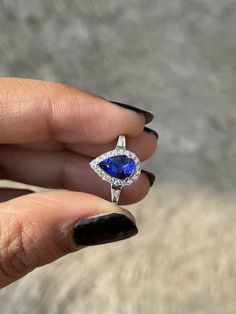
point(174, 57)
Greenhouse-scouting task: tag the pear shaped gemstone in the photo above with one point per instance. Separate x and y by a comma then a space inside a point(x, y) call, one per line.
point(120, 167)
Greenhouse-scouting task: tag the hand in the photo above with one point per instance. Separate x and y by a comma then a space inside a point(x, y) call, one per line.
point(49, 133)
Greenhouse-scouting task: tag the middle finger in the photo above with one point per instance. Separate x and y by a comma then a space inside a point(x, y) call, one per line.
point(143, 145)
point(65, 170)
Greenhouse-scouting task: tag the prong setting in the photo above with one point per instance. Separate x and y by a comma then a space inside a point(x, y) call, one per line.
point(94, 164)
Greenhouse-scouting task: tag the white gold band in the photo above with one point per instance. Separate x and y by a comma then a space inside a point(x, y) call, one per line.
point(119, 167)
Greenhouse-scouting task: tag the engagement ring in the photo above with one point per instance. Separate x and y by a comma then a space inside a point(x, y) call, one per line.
point(119, 167)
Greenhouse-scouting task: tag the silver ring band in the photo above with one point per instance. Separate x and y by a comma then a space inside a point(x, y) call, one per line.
point(119, 167)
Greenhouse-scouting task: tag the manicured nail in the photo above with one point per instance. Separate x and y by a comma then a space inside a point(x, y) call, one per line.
point(148, 115)
point(151, 176)
point(103, 229)
point(149, 130)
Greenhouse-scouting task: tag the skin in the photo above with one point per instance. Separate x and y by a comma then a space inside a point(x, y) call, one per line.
point(49, 132)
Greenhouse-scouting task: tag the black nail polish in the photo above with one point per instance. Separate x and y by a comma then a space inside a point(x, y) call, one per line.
point(103, 229)
point(148, 115)
point(149, 130)
point(150, 175)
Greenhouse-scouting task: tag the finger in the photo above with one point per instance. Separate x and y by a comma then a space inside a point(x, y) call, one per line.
point(7, 193)
point(144, 145)
point(36, 229)
point(63, 170)
point(39, 111)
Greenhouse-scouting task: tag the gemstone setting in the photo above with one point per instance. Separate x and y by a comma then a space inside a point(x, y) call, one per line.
point(117, 171)
point(120, 167)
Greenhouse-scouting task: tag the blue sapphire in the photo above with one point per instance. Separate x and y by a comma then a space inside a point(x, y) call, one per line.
point(120, 167)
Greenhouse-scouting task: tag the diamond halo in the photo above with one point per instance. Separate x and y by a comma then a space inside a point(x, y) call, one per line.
point(94, 164)
point(117, 183)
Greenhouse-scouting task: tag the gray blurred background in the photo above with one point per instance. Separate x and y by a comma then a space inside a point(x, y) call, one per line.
point(176, 58)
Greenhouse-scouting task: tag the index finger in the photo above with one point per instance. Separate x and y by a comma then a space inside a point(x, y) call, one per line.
point(32, 111)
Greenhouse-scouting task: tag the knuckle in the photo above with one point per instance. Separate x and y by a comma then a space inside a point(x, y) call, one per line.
point(16, 239)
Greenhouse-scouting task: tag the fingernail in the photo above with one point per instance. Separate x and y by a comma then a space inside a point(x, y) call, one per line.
point(149, 130)
point(147, 114)
point(151, 176)
point(103, 229)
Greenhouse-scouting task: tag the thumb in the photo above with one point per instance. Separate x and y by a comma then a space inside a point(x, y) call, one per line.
point(38, 228)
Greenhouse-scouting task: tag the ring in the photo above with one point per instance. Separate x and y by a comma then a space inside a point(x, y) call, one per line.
point(119, 167)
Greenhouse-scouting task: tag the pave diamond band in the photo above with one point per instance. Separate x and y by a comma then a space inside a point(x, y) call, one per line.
point(120, 167)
